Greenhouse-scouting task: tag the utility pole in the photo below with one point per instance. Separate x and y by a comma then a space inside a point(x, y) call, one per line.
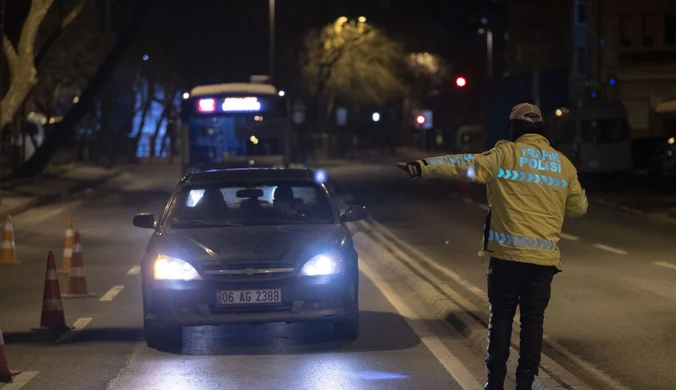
point(489, 52)
point(272, 40)
point(536, 75)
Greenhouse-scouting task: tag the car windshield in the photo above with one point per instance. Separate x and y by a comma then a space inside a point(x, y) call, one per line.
point(250, 204)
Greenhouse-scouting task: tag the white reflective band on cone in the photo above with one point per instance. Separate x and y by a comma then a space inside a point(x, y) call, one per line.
point(69, 232)
point(78, 272)
point(8, 245)
point(67, 252)
point(51, 274)
point(2, 341)
point(77, 247)
point(52, 305)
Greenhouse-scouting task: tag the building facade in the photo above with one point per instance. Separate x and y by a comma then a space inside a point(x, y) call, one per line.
point(619, 50)
point(637, 62)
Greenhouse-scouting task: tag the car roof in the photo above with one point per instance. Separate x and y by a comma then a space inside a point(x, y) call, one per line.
point(246, 174)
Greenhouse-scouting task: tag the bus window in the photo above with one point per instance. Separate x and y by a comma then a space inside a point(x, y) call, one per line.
point(604, 131)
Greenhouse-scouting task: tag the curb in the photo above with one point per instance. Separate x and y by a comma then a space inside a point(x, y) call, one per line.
point(58, 196)
point(616, 206)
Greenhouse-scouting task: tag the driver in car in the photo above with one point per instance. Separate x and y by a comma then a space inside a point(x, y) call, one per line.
point(283, 202)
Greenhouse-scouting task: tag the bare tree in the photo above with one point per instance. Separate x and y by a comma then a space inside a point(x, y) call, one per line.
point(21, 61)
point(353, 61)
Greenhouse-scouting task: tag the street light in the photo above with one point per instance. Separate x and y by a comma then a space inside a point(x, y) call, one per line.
point(281, 93)
point(420, 119)
point(461, 82)
point(186, 95)
point(145, 57)
point(362, 19)
point(375, 116)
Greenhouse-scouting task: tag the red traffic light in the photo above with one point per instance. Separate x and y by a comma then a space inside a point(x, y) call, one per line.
point(420, 119)
point(461, 82)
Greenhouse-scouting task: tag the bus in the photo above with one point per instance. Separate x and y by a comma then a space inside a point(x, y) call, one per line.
point(595, 138)
point(233, 124)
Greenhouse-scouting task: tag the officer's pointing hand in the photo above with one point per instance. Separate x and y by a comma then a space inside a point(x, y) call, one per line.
point(412, 169)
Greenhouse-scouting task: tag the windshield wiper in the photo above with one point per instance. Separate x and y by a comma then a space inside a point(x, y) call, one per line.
point(276, 221)
point(199, 223)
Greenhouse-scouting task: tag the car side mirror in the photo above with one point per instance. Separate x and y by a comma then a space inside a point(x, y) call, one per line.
point(144, 220)
point(354, 214)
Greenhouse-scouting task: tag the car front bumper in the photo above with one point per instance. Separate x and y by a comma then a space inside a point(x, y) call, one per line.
point(177, 303)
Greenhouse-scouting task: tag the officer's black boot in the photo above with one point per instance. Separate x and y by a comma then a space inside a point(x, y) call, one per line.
point(524, 379)
point(495, 382)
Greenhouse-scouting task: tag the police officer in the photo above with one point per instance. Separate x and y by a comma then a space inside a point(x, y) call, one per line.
point(531, 187)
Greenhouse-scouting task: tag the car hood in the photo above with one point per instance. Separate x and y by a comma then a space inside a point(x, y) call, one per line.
point(255, 244)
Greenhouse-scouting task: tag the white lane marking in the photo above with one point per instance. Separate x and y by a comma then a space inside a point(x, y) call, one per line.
point(483, 206)
point(665, 265)
point(81, 323)
point(78, 325)
point(468, 200)
point(49, 214)
point(610, 249)
point(19, 381)
point(451, 363)
point(111, 294)
point(134, 270)
point(570, 237)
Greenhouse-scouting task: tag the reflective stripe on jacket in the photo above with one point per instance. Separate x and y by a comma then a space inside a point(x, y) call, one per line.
point(531, 188)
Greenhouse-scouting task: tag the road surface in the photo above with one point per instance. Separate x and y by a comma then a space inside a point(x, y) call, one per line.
point(402, 345)
point(614, 306)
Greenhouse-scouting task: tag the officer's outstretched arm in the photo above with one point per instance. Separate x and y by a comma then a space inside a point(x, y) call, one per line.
point(480, 168)
point(576, 203)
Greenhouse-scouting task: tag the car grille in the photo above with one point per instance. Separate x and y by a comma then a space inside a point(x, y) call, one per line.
point(249, 272)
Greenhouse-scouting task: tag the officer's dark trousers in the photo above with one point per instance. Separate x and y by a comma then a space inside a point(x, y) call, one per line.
point(512, 284)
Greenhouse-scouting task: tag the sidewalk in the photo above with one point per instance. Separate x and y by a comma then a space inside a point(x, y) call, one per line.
point(19, 196)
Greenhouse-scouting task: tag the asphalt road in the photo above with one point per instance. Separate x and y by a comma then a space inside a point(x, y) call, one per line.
point(614, 306)
point(402, 344)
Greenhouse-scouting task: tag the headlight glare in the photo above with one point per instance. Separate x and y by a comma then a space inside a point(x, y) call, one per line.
point(324, 264)
point(169, 268)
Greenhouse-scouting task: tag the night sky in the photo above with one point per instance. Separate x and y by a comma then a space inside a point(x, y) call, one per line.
point(227, 40)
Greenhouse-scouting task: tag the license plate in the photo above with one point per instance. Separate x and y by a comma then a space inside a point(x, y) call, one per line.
point(241, 297)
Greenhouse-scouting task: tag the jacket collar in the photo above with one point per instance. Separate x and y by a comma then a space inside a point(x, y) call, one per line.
point(532, 138)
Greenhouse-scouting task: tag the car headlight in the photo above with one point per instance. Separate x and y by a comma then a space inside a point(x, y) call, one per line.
point(169, 268)
point(324, 264)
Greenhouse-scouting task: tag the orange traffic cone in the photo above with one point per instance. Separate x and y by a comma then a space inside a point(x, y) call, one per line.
point(52, 308)
point(77, 282)
point(67, 248)
point(5, 374)
point(8, 255)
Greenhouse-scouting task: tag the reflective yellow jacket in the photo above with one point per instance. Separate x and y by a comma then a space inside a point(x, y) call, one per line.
point(531, 187)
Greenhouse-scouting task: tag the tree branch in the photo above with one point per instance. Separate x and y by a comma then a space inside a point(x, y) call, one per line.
point(73, 14)
point(29, 32)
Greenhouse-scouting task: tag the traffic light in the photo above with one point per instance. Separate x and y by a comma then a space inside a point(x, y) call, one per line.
point(461, 82)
